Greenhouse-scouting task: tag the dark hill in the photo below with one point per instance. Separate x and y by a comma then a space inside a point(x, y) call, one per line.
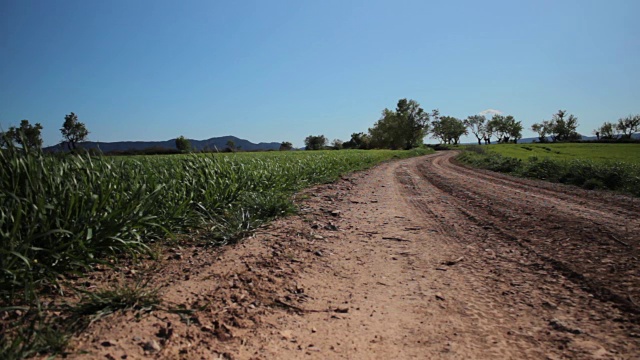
point(219, 143)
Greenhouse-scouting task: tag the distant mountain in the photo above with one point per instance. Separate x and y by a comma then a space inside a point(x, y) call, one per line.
point(219, 143)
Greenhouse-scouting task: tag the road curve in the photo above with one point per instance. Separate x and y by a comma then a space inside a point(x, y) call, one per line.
point(593, 238)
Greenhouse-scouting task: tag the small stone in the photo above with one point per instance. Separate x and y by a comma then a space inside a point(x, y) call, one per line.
point(108, 343)
point(336, 213)
point(549, 305)
point(439, 297)
point(562, 326)
point(313, 330)
point(331, 227)
point(287, 334)
point(207, 328)
point(318, 253)
point(151, 346)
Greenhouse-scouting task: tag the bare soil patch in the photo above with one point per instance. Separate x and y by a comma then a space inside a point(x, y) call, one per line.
point(417, 258)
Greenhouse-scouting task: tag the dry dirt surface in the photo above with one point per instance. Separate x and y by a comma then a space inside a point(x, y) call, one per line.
point(418, 258)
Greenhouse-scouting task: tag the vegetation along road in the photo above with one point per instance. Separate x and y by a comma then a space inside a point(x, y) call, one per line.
point(415, 258)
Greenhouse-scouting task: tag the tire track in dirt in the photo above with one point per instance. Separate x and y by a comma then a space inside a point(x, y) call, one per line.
point(520, 273)
point(591, 246)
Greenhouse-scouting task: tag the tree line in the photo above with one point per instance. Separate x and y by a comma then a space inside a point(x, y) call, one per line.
point(29, 136)
point(408, 125)
point(405, 127)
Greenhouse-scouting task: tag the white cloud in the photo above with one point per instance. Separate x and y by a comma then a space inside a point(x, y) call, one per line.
point(491, 112)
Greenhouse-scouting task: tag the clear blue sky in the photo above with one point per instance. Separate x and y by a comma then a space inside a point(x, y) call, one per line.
point(282, 70)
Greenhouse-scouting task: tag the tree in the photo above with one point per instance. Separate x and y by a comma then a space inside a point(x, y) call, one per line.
point(231, 145)
point(358, 141)
point(337, 144)
point(403, 128)
point(448, 129)
point(183, 144)
point(285, 146)
point(516, 131)
point(387, 131)
point(315, 142)
point(487, 133)
point(629, 125)
point(476, 124)
point(73, 131)
point(506, 128)
point(542, 129)
point(5, 139)
point(26, 135)
point(497, 126)
point(563, 127)
point(606, 131)
point(513, 129)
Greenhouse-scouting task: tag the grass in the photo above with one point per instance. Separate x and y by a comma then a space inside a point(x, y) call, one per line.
point(39, 332)
point(97, 305)
point(62, 215)
point(596, 152)
point(591, 166)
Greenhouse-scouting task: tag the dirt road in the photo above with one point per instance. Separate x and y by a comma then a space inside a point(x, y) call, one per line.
point(418, 258)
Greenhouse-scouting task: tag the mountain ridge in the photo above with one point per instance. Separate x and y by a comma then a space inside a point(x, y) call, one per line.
point(219, 143)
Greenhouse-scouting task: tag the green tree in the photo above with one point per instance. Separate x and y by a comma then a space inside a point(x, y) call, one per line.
point(542, 130)
point(629, 125)
point(231, 145)
point(606, 131)
point(403, 128)
point(337, 144)
point(4, 139)
point(358, 141)
point(497, 127)
point(73, 131)
point(183, 144)
point(505, 128)
point(513, 129)
point(562, 127)
point(26, 135)
point(315, 142)
point(448, 129)
point(476, 124)
point(285, 146)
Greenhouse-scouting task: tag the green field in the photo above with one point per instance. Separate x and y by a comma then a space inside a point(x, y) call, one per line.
point(61, 214)
point(597, 152)
point(591, 166)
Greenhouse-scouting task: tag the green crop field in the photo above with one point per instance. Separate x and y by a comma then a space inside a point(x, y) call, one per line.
point(589, 165)
point(65, 213)
point(568, 151)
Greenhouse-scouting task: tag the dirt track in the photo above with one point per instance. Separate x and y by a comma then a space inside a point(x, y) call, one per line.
point(418, 258)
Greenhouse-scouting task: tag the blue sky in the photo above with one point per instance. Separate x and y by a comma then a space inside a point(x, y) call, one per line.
point(282, 70)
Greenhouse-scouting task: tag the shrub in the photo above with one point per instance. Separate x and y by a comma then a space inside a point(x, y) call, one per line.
point(619, 176)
